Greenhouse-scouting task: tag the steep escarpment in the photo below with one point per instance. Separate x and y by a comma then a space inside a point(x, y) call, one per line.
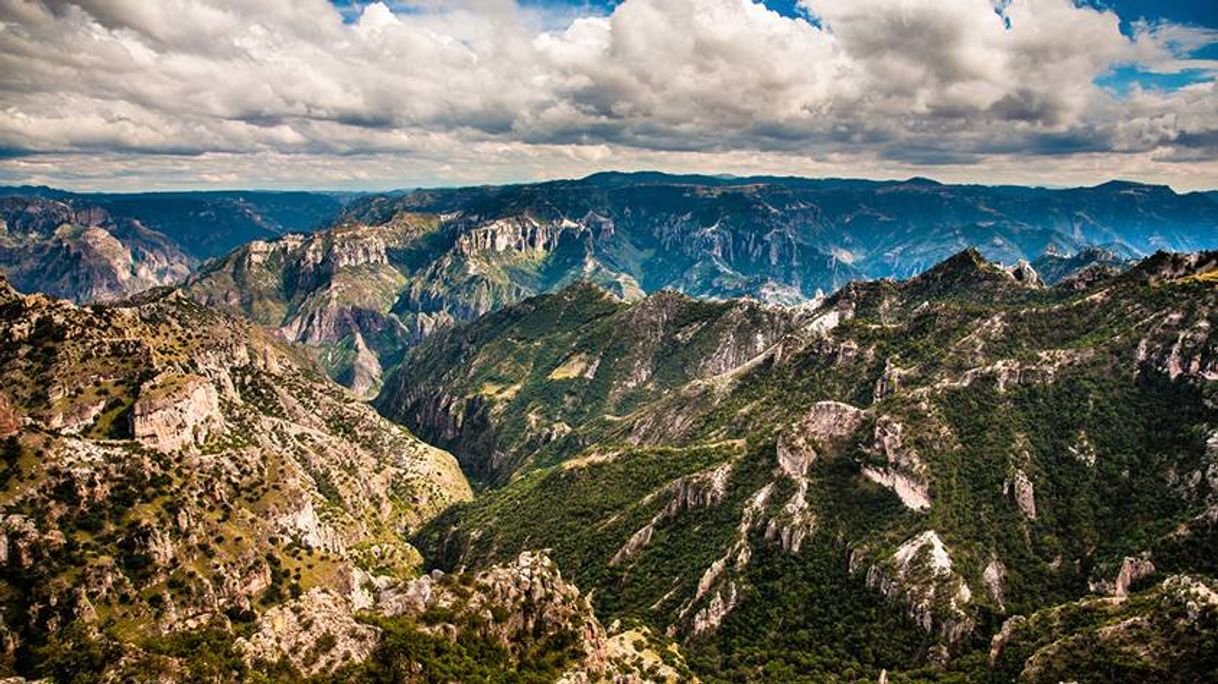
point(172, 474)
point(334, 291)
point(928, 458)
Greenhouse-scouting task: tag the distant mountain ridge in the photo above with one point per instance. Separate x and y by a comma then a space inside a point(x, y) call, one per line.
point(400, 265)
point(98, 246)
point(208, 223)
point(83, 253)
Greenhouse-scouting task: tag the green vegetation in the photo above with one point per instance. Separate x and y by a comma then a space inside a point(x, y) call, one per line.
point(806, 619)
point(408, 653)
point(992, 382)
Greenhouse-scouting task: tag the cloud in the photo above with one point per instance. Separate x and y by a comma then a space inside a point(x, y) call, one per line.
point(875, 85)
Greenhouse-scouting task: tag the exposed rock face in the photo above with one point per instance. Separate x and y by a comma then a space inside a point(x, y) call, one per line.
point(1025, 274)
point(905, 473)
point(995, 577)
point(74, 417)
point(1083, 450)
point(794, 522)
point(83, 253)
point(825, 426)
point(999, 641)
point(828, 421)
point(366, 369)
point(516, 605)
point(1181, 346)
point(700, 490)
point(1020, 485)
point(711, 615)
point(889, 381)
point(633, 659)
point(515, 234)
point(1132, 569)
point(175, 411)
point(920, 575)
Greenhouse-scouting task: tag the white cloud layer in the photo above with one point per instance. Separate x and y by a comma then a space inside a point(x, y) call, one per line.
point(108, 93)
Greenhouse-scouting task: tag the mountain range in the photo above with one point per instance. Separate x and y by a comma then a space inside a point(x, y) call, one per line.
point(397, 267)
point(99, 247)
point(919, 478)
point(628, 428)
point(187, 498)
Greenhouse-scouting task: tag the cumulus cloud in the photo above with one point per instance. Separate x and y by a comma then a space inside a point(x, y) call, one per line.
point(483, 89)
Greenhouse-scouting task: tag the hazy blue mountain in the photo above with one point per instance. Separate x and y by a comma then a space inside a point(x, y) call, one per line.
point(206, 224)
point(96, 247)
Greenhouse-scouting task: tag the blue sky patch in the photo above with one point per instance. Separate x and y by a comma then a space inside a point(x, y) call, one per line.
point(1193, 12)
point(1123, 79)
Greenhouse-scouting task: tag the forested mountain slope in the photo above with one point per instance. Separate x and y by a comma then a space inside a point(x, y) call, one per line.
point(878, 482)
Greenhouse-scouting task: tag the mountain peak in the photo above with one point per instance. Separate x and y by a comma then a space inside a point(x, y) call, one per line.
point(966, 260)
point(1117, 185)
point(968, 273)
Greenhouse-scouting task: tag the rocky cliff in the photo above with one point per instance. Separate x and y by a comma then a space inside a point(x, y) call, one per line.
point(518, 618)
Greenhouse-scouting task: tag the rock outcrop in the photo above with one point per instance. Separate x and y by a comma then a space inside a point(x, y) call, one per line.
point(825, 423)
point(175, 411)
point(525, 600)
point(315, 633)
point(1020, 486)
point(905, 472)
point(1132, 569)
point(920, 575)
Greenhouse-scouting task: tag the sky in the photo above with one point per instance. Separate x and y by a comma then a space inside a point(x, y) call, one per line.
point(346, 94)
